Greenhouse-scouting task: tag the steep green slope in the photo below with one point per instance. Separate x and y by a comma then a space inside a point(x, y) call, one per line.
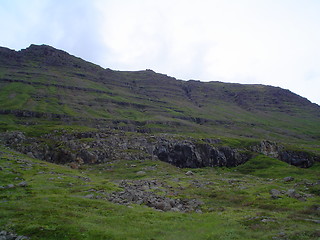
point(47, 83)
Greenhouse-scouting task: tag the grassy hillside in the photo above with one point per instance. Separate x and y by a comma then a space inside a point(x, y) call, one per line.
point(42, 79)
point(62, 203)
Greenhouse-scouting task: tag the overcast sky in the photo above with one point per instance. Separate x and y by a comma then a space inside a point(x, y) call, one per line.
point(272, 42)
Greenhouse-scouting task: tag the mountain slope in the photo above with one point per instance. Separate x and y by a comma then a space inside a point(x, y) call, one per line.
point(94, 146)
point(45, 82)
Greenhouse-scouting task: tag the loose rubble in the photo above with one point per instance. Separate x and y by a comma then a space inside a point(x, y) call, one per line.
point(4, 235)
point(143, 192)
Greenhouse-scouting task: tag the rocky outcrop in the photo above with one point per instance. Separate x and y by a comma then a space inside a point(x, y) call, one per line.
point(298, 158)
point(194, 155)
point(268, 148)
point(97, 147)
point(293, 157)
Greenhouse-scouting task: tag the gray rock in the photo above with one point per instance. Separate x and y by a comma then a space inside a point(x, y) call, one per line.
point(10, 186)
point(275, 193)
point(189, 173)
point(293, 194)
point(140, 173)
point(136, 192)
point(22, 184)
point(288, 179)
point(4, 235)
point(265, 220)
point(293, 157)
point(90, 196)
point(175, 209)
point(164, 206)
point(30, 154)
point(188, 154)
point(313, 220)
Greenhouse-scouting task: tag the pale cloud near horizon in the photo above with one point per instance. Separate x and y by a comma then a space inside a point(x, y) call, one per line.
point(272, 42)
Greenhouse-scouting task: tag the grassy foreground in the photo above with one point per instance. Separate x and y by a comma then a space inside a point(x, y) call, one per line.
point(237, 203)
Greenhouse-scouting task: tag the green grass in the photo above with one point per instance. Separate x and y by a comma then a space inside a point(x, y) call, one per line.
point(15, 95)
point(263, 166)
point(236, 205)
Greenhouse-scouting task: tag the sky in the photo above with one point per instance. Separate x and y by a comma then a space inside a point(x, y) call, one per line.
point(270, 42)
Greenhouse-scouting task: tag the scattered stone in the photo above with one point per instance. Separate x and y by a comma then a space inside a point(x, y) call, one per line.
point(30, 154)
point(175, 209)
point(90, 196)
point(4, 235)
point(10, 186)
point(189, 173)
point(313, 220)
point(280, 236)
point(22, 184)
point(74, 165)
point(275, 193)
point(267, 220)
point(198, 211)
point(138, 192)
point(141, 173)
point(293, 194)
point(288, 179)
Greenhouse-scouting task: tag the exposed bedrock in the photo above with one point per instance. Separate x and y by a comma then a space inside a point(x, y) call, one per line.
point(196, 155)
point(92, 148)
point(297, 158)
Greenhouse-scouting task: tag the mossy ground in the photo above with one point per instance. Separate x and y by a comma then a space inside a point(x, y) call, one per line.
point(237, 202)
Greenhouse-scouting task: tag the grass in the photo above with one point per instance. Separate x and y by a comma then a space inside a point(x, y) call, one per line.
point(263, 166)
point(236, 205)
point(225, 117)
point(15, 95)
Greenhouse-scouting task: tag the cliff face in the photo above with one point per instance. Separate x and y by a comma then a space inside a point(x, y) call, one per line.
point(194, 155)
point(94, 148)
point(293, 157)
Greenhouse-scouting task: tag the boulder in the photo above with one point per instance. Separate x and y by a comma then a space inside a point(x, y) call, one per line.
point(22, 184)
point(275, 193)
point(288, 179)
point(189, 173)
